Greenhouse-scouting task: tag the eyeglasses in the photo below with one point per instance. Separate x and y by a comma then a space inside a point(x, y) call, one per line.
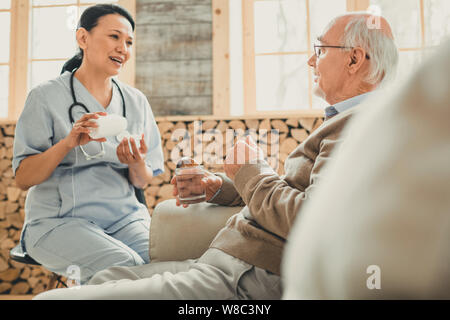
point(318, 50)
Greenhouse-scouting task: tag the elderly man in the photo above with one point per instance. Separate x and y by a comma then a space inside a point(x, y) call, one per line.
point(243, 261)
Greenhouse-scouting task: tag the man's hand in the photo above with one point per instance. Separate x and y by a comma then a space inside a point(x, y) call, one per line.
point(210, 183)
point(244, 151)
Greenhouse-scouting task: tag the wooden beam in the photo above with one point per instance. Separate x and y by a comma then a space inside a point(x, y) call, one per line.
point(221, 57)
point(249, 69)
point(303, 113)
point(351, 5)
point(310, 49)
point(18, 71)
point(17, 297)
point(128, 73)
point(357, 5)
point(84, 4)
point(284, 53)
point(422, 24)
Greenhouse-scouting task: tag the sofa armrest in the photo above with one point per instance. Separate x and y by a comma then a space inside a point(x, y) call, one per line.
point(178, 233)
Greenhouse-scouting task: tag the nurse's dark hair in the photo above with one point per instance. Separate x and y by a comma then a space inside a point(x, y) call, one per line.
point(89, 20)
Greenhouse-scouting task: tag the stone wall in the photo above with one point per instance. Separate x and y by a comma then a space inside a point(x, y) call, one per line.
point(196, 138)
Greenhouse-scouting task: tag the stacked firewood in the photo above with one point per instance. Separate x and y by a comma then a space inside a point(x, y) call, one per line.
point(15, 278)
point(205, 140)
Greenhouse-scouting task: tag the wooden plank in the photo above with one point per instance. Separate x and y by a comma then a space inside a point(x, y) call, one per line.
point(305, 113)
point(175, 78)
point(351, 5)
point(310, 49)
point(290, 113)
point(128, 73)
point(282, 53)
point(357, 5)
point(173, 12)
point(179, 2)
point(65, 4)
point(174, 42)
point(50, 59)
point(221, 57)
point(4, 121)
point(362, 5)
point(179, 106)
point(413, 49)
point(18, 71)
point(422, 24)
point(189, 102)
point(17, 297)
point(248, 38)
point(175, 55)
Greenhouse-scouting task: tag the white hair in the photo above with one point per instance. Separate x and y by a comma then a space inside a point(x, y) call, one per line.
point(381, 49)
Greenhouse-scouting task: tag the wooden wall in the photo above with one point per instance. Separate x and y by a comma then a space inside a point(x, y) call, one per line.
point(174, 55)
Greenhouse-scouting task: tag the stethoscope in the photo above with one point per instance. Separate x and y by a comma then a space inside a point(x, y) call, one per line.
point(79, 104)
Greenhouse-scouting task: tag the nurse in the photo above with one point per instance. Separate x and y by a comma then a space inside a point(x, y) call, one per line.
point(81, 210)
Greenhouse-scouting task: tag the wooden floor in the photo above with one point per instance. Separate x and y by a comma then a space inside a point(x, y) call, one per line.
point(21, 297)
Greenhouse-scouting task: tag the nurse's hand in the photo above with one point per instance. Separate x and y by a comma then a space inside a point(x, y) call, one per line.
point(139, 174)
point(81, 129)
point(133, 157)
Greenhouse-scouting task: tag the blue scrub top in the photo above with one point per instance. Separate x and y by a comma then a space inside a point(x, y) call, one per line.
point(97, 190)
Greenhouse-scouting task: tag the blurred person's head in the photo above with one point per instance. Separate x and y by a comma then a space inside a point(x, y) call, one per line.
point(105, 37)
point(353, 56)
point(384, 233)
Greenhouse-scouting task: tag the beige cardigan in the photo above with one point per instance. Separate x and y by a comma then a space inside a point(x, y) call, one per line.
point(257, 234)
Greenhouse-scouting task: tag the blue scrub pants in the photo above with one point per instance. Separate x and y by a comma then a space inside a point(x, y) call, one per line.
point(80, 243)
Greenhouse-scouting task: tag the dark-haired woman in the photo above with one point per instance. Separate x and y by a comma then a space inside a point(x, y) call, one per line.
point(82, 214)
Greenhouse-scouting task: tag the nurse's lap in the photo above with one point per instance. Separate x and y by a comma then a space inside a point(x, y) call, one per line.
point(80, 243)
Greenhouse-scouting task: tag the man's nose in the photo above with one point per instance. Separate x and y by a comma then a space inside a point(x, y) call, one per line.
point(312, 61)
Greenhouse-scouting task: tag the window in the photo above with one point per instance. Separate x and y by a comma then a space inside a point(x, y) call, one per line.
point(49, 53)
point(418, 26)
point(283, 78)
point(268, 69)
point(5, 25)
point(42, 38)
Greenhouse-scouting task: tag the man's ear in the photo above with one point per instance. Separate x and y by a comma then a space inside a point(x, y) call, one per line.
point(81, 37)
point(356, 59)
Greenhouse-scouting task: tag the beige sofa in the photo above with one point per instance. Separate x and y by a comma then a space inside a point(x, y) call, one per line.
point(178, 233)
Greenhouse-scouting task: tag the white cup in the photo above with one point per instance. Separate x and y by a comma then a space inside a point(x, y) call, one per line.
point(109, 125)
